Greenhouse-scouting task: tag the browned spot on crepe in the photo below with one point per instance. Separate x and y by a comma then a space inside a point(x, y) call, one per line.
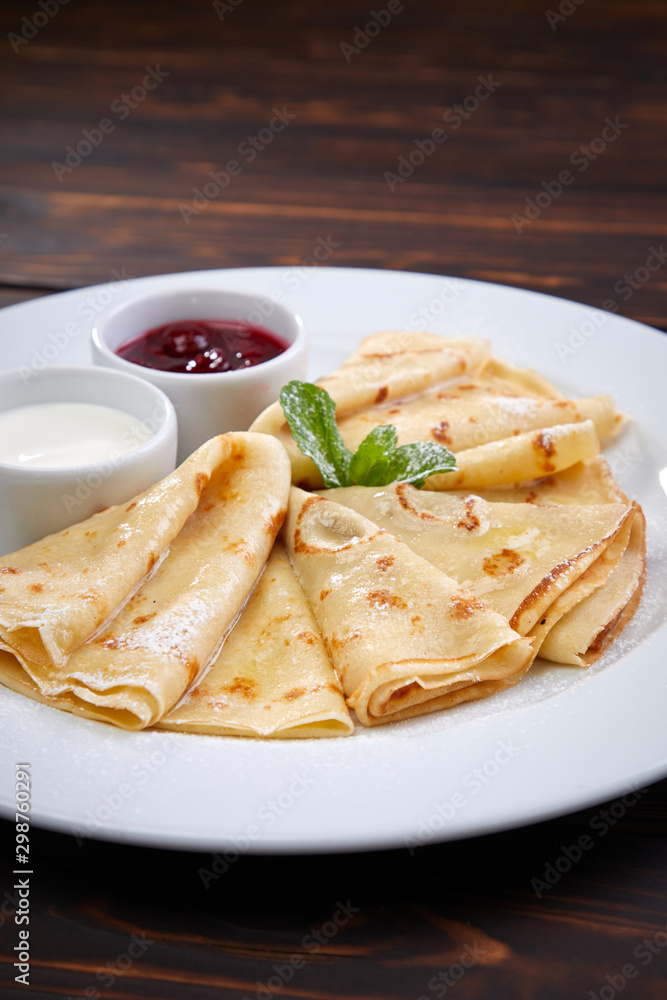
point(131, 507)
point(307, 637)
point(544, 444)
point(243, 686)
point(403, 499)
point(36, 588)
point(385, 599)
point(384, 562)
point(324, 593)
point(299, 544)
point(9, 569)
point(542, 588)
point(144, 618)
point(294, 694)
point(201, 481)
point(382, 394)
point(275, 523)
point(464, 607)
point(110, 643)
point(469, 521)
point(505, 561)
point(439, 432)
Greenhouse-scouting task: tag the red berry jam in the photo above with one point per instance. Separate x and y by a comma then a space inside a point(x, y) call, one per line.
point(203, 346)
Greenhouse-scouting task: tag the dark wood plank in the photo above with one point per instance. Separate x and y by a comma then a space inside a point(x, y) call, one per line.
point(403, 918)
point(324, 173)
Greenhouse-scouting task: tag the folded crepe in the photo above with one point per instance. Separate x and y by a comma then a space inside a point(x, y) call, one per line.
point(581, 635)
point(117, 616)
point(385, 366)
point(521, 458)
point(527, 562)
point(464, 414)
point(589, 481)
point(405, 639)
point(272, 677)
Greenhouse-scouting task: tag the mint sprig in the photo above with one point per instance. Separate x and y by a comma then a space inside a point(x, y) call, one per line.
point(378, 461)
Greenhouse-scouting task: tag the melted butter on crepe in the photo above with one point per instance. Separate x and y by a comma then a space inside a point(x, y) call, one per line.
point(272, 677)
point(405, 639)
point(164, 634)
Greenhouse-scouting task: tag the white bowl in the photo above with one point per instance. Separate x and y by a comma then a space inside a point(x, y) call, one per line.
point(207, 403)
point(37, 501)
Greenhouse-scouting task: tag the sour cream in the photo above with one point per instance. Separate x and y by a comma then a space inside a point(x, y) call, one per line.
point(62, 435)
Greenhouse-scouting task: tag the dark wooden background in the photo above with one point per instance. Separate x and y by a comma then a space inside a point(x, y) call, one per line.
point(323, 177)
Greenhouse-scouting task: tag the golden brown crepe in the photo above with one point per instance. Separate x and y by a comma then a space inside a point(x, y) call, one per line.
point(272, 677)
point(588, 481)
point(125, 645)
point(404, 638)
point(519, 459)
point(524, 561)
point(582, 634)
point(454, 392)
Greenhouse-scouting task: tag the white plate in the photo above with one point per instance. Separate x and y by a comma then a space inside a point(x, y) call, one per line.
point(561, 740)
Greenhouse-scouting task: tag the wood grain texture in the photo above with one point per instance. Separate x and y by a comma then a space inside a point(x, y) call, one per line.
point(324, 173)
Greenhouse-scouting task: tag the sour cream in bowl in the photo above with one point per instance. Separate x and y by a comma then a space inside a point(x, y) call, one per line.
point(74, 441)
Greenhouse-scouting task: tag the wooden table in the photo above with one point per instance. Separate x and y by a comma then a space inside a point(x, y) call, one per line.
point(488, 140)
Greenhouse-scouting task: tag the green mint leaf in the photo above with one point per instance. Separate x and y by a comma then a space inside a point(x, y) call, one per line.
point(374, 461)
point(311, 415)
point(417, 461)
point(378, 461)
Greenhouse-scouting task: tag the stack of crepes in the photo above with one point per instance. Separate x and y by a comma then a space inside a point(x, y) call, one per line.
point(180, 590)
point(190, 609)
point(540, 549)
